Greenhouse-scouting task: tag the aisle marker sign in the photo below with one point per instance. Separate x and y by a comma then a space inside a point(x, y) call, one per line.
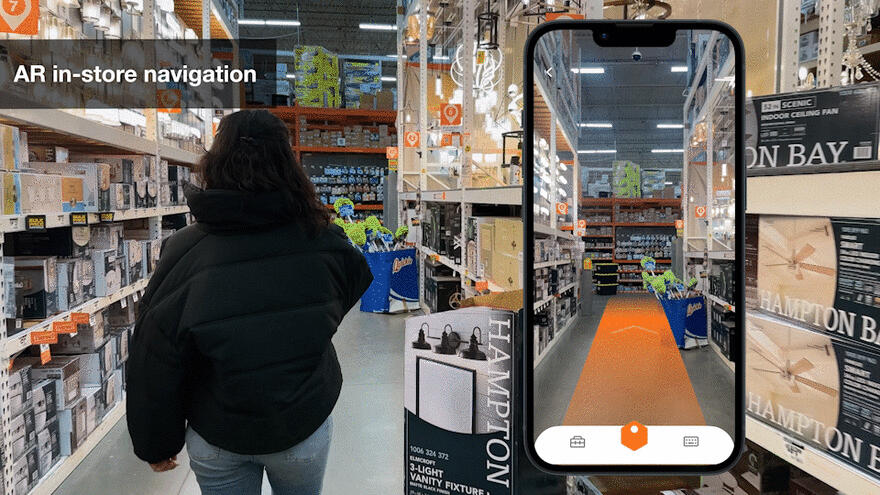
point(411, 139)
point(562, 208)
point(582, 224)
point(700, 211)
point(20, 16)
point(450, 114)
point(391, 152)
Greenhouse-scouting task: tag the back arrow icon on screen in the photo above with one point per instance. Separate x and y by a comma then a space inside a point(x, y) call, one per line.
point(549, 72)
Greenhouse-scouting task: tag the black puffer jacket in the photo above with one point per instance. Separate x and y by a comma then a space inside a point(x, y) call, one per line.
point(234, 329)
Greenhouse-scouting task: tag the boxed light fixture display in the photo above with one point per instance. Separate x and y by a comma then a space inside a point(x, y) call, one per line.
point(31, 194)
point(94, 408)
point(108, 272)
point(96, 366)
point(45, 403)
point(88, 337)
point(119, 316)
point(10, 142)
point(36, 281)
point(134, 256)
point(66, 276)
point(22, 432)
point(25, 471)
point(120, 196)
point(72, 426)
point(61, 241)
point(87, 277)
point(63, 371)
point(121, 337)
point(48, 446)
point(19, 386)
point(110, 236)
point(80, 183)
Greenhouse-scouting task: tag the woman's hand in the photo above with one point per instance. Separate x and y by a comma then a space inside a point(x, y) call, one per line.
point(166, 465)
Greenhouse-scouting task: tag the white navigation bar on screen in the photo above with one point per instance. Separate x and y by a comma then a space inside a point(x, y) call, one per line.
point(665, 445)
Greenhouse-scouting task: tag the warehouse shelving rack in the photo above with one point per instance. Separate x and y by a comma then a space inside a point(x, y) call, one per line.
point(78, 134)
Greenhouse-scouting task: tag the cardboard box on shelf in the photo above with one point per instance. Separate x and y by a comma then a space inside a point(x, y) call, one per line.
point(63, 372)
point(120, 196)
point(87, 276)
point(96, 366)
point(23, 432)
point(72, 426)
point(25, 472)
point(10, 143)
point(61, 241)
point(36, 282)
point(111, 391)
point(67, 276)
point(94, 407)
point(109, 236)
point(48, 446)
point(508, 237)
point(486, 246)
point(80, 183)
point(385, 100)
point(121, 337)
point(19, 387)
point(134, 255)
point(31, 194)
point(87, 339)
point(108, 272)
point(121, 169)
point(45, 403)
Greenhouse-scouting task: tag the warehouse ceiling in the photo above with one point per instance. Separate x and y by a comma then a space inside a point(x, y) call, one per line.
point(634, 97)
point(332, 24)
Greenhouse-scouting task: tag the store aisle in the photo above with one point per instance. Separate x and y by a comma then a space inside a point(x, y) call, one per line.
point(368, 426)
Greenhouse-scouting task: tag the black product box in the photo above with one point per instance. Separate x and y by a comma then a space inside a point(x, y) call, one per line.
point(48, 446)
point(721, 280)
point(807, 485)
point(36, 281)
point(118, 316)
point(23, 432)
point(152, 194)
point(96, 366)
point(121, 170)
point(606, 290)
point(20, 383)
point(605, 268)
point(723, 331)
point(436, 269)
point(45, 403)
point(140, 194)
point(440, 291)
point(61, 241)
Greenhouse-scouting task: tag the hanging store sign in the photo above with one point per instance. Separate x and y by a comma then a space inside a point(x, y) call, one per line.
point(817, 131)
point(450, 114)
point(562, 208)
point(391, 152)
point(700, 211)
point(411, 139)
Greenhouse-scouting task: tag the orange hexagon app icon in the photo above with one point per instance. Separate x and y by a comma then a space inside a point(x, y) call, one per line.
point(634, 435)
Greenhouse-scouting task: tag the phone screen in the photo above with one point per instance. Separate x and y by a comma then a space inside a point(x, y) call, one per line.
point(636, 245)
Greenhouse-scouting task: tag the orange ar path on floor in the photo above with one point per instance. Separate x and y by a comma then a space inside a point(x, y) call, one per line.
point(634, 371)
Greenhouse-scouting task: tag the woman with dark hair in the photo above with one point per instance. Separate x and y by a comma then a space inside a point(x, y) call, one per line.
point(232, 350)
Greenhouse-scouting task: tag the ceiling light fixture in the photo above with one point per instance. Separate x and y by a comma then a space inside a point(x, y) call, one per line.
point(595, 152)
point(389, 79)
point(678, 68)
point(268, 22)
point(670, 126)
point(596, 125)
point(588, 70)
point(667, 150)
point(370, 26)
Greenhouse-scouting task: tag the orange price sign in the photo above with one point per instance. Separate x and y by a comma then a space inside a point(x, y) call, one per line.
point(450, 114)
point(481, 285)
point(588, 263)
point(44, 337)
point(411, 139)
point(679, 224)
point(20, 16)
point(562, 208)
point(553, 16)
point(64, 327)
point(391, 152)
point(45, 354)
point(80, 318)
point(700, 211)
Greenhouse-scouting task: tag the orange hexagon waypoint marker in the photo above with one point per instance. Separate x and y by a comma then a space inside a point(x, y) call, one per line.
point(634, 435)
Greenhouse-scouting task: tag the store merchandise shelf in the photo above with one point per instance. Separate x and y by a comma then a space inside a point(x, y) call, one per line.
point(722, 255)
point(644, 224)
point(361, 207)
point(589, 201)
point(695, 254)
point(556, 337)
point(16, 223)
point(444, 196)
point(177, 156)
point(718, 300)
point(540, 228)
point(337, 114)
point(53, 479)
point(21, 341)
point(545, 264)
point(544, 302)
point(503, 195)
point(817, 464)
point(605, 236)
point(639, 261)
point(338, 149)
point(79, 134)
point(442, 259)
point(409, 196)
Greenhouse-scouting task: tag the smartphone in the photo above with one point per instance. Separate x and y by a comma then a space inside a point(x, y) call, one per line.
point(633, 166)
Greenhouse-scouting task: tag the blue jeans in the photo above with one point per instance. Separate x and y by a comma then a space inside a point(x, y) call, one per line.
point(298, 470)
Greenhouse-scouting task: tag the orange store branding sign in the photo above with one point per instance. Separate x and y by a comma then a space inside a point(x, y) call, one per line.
point(20, 16)
point(450, 114)
point(411, 139)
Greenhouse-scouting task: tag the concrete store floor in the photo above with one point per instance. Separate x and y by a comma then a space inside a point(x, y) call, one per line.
point(557, 375)
point(366, 454)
